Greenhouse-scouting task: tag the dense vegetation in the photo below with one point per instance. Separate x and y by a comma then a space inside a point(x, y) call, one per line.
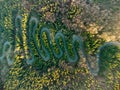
point(86, 18)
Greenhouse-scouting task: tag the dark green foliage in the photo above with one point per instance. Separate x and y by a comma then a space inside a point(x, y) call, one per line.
point(92, 42)
point(109, 59)
point(21, 75)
